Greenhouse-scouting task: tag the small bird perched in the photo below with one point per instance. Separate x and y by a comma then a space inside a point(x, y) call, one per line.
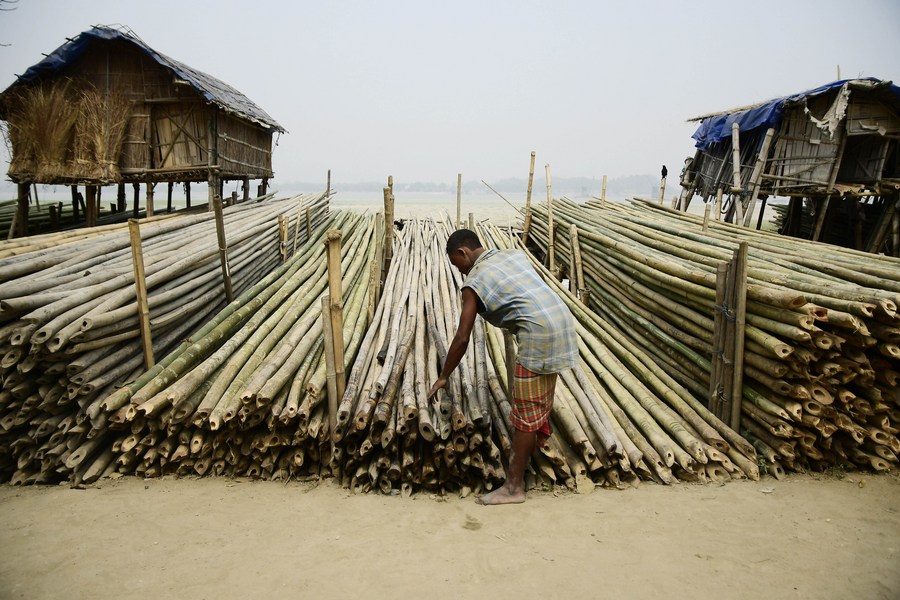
point(665, 171)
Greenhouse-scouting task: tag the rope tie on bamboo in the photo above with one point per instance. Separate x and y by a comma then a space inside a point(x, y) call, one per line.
point(725, 310)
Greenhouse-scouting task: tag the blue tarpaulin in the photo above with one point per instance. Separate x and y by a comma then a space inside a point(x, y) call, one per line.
point(718, 128)
point(213, 90)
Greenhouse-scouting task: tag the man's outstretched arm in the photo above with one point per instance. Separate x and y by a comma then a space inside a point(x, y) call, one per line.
point(460, 341)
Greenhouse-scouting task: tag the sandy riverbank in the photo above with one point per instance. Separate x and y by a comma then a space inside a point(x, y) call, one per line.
point(805, 537)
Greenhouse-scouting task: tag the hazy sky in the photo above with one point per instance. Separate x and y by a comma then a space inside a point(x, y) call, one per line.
point(425, 90)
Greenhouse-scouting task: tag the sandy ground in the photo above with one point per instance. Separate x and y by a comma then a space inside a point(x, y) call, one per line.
point(805, 537)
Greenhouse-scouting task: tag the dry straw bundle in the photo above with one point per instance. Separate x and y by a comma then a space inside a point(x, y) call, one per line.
point(41, 127)
point(99, 133)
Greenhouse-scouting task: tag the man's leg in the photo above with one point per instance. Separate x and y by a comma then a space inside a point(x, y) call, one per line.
point(513, 489)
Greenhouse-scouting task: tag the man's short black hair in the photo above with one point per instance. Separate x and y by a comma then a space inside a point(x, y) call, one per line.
point(463, 237)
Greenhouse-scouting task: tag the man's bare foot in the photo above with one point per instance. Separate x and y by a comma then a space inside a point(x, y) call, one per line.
point(502, 495)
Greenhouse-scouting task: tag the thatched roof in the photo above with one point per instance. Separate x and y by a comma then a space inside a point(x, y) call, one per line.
point(213, 90)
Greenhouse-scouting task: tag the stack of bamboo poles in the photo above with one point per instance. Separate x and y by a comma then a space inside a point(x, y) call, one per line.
point(608, 427)
point(246, 395)
point(661, 432)
point(69, 322)
point(821, 359)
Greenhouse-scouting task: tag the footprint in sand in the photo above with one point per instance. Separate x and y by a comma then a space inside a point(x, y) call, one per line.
point(472, 524)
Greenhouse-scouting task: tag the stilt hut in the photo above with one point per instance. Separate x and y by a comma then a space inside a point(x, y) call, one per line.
point(833, 151)
point(107, 109)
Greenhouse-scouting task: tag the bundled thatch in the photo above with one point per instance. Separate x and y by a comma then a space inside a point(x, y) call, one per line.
point(60, 132)
point(41, 128)
point(99, 133)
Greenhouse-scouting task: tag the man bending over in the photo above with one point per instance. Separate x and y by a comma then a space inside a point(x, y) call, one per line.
point(503, 287)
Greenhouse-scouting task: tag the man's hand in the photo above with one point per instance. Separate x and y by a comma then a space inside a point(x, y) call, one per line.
point(440, 383)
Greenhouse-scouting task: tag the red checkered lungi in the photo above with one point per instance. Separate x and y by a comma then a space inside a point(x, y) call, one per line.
point(532, 400)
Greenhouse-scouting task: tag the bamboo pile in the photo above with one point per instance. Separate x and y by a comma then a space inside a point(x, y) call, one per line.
point(245, 396)
point(605, 432)
point(822, 331)
point(69, 323)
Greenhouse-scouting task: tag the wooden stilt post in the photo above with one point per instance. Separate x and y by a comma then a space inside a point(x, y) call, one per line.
point(54, 215)
point(187, 194)
point(120, 198)
point(171, 187)
point(140, 286)
point(526, 228)
point(762, 211)
point(75, 203)
point(223, 249)
point(246, 186)
point(458, 198)
point(820, 218)
point(336, 305)
point(719, 193)
point(135, 211)
point(233, 198)
point(603, 193)
point(37, 201)
point(91, 205)
point(756, 176)
point(550, 230)
point(22, 210)
point(736, 186)
point(150, 185)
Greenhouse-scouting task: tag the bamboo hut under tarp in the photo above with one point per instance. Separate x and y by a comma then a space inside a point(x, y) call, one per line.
point(105, 108)
point(834, 147)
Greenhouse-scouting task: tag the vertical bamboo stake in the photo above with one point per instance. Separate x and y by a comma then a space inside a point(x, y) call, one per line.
point(246, 192)
point(603, 193)
point(223, 249)
point(527, 226)
point(471, 221)
point(328, 184)
point(706, 216)
point(578, 274)
point(333, 243)
point(740, 316)
point(140, 286)
point(388, 231)
point(716, 391)
point(550, 229)
point(375, 296)
point(282, 238)
point(719, 203)
point(330, 368)
point(90, 207)
point(755, 177)
point(662, 190)
point(458, 198)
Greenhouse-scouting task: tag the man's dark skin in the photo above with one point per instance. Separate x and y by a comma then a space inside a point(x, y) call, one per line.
point(523, 443)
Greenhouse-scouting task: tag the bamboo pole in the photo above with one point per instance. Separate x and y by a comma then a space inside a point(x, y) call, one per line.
point(331, 368)
point(458, 199)
point(740, 310)
point(758, 170)
point(333, 243)
point(551, 248)
point(578, 274)
point(736, 186)
point(140, 287)
point(603, 193)
point(526, 228)
point(719, 193)
point(223, 249)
